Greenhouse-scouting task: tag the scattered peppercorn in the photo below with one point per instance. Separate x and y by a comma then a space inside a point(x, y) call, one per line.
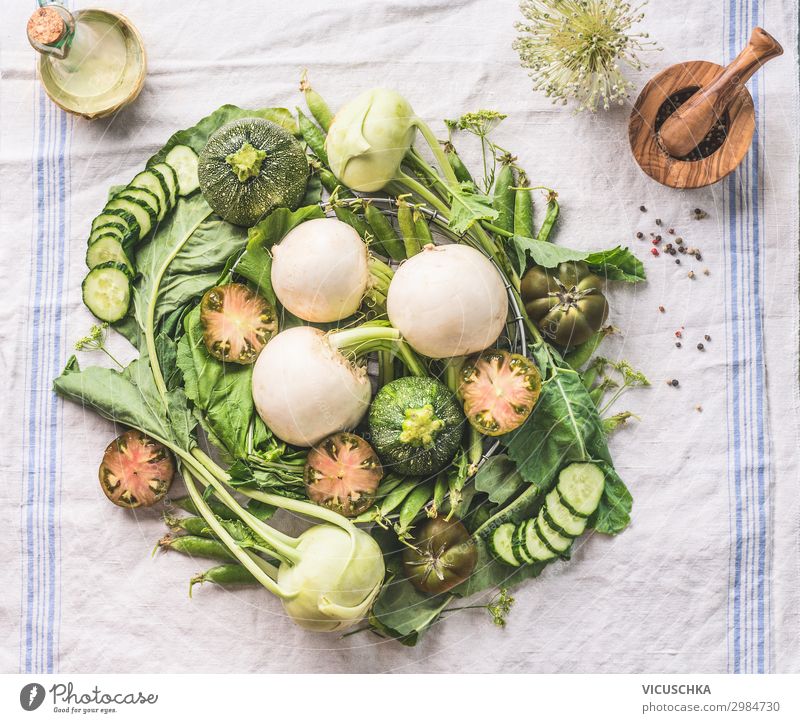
point(690, 274)
point(642, 209)
point(698, 256)
point(671, 231)
point(706, 272)
point(682, 249)
point(658, 222)
point(679, 334)
point(700, 347)
point(673, 382)
point(700, 213)
point(661, 309)
point(673, 251)
point(656, 241)
point(654, 251)
point(678, 344)
point(707, 337)
point(677, 261)
point(639, 235)
point(679, 240)
point(699, 408)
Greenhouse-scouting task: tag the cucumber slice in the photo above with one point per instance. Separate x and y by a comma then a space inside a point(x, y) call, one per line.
point(154, 182)
point(184, 162)
point(138, 212)
point(560, 518)
point(580, 487)
point(105, 249)
point(146, 198)
point(167, 172)
point(107, 291)
point(500, 543)
point(552, 540)
point(108, 229)
point(518, 545)
point(119, 216)
point(536, 548)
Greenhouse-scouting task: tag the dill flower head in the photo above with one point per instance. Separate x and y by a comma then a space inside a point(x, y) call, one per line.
point(574, 49)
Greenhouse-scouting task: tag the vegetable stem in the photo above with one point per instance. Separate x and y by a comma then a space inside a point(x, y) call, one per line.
point(438, 153)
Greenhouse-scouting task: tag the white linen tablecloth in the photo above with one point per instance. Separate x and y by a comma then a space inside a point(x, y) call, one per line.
point(707, 578)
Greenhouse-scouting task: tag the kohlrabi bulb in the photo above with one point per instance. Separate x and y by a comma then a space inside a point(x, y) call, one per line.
point(368, 139)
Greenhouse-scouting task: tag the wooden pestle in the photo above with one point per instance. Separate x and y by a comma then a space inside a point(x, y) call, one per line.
point(687, 126)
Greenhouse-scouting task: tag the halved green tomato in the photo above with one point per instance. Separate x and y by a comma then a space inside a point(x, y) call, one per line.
point(342, 473)
point(237, 323)
point(499, 390)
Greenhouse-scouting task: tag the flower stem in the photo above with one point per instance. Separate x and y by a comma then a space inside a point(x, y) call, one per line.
point(438, 153)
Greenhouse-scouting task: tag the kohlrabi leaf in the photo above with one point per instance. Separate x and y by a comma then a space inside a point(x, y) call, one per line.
point(129, 398)
point(499, 479)
point(614, 513)
point(468, 205)
point(221, 391)
point(196, 136)
point(194, 246)
point(255, 265)
point(545, 253)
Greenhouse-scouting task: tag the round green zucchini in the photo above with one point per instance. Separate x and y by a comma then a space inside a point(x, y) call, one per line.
point(249, 167)
point(416, 425)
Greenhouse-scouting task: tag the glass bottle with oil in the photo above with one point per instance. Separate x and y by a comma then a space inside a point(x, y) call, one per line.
point(92, 62)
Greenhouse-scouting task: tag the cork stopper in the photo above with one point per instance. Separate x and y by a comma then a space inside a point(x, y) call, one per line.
point(45, 26)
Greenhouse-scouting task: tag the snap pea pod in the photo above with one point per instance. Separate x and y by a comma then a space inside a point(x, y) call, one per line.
point(193, 525)
point(313, 136)
point(504, 196)
point(439, 492)
point(421, 228)
point(395, 498)
point(413, 505)
point(186, 504)
point(408, 228)
point(582, 353)
point(230, 573)
point(549, 218)
point(385, 235)
point(318, 107)
point(461, 171)
point(597, 394)
point(196, 546)
point(523, 210)
point(351, 218)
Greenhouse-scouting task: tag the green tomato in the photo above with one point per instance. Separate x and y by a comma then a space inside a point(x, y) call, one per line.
point(566, 303)
point(444, 555)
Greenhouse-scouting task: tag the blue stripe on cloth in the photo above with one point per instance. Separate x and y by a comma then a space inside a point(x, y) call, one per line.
point(748, 456)
point(40, 613)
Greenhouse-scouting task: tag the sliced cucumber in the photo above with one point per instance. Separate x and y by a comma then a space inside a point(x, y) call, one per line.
point(500, 542)
point(107, 291)
point(116, 215)
point(518, 545)
point(552, 540)
point(536, 548)
point(560, 518)
point(140, 213)
point(146, 198)
point(154, 182)
point(580, 487)
point(184, 162)
point(109, 229)
point(105, 249)
point(167, 172)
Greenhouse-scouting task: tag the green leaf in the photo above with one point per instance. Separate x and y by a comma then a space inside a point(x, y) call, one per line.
point(128, 398)
point(617, 264)
point(467, 206)
point(256, 263)
point(194, 246)
point(499, 478)
point(221, 391)
point(197, 136)
point(614, 513)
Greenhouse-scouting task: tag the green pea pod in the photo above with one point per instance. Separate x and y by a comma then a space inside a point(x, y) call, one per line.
point(597, 394)
point(318, 107)
point(384, 233)
point(504, 196)
point(549, 219)
point(193, 525)
point(330, 183)
point(461, 171)
point(583, 352)
point(439, 492)
point(413, 505)
point(523, 213)
point(395, 498)
point(186, 504)
point(408, 229)
point(351, 218)
point(228, 574)
point(196, 546)
point(589, 377)
point(421, 228)
point(313, 136)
